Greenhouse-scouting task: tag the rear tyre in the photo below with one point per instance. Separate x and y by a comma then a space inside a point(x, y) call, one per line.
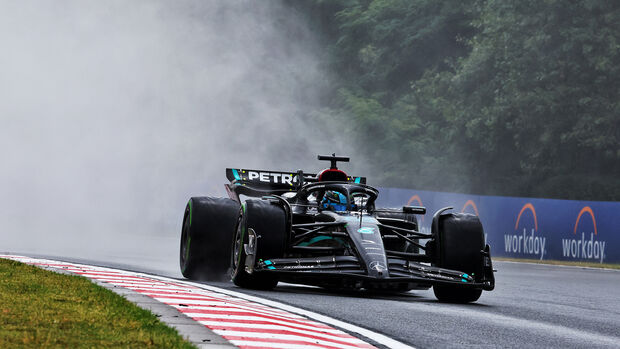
point(269, 222)
point(458, 245)
point(206, 235)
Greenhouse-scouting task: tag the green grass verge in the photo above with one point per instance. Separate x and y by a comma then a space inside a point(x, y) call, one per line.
point(569, 263)
point(40, 308)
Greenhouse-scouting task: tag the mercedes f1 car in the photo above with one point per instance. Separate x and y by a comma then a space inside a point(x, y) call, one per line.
point(324, 229)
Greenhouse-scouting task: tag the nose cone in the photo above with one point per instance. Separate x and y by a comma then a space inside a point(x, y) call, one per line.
point(369, 244)
point(378, 269)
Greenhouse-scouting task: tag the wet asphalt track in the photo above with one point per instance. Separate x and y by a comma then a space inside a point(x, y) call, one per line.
point(533, 306)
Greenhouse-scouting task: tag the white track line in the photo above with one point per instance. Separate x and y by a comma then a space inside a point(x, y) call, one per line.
point(264, 344)
point(289, 337)
point(231, 326)
point(273, 324)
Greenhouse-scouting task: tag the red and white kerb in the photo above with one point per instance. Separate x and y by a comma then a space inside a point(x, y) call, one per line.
point(244, 323)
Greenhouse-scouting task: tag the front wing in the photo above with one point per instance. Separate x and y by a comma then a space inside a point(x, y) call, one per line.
point(346, 272)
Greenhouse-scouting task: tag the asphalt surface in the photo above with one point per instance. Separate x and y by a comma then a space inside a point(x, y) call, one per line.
point(533, 306)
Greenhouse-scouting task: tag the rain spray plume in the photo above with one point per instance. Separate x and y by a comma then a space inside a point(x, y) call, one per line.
point(115, 113)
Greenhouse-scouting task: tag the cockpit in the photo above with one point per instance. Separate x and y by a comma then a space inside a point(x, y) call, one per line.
point(336, 197)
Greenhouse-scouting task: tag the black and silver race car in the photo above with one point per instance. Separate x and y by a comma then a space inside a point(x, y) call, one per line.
point(324, 229)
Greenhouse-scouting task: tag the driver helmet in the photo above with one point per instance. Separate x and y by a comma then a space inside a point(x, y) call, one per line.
point(335, 201)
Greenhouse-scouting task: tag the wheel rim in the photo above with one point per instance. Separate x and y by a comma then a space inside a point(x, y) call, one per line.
point(236, 255)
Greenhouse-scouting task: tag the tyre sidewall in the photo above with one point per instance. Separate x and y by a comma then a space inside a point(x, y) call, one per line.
point(459, 242)
point(208, 228)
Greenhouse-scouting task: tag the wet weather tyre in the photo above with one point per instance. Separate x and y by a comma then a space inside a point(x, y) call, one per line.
point(459, 241)
point(206, 236)
point(269, 222)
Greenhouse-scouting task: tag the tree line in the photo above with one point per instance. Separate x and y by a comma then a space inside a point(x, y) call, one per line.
point(492, 97)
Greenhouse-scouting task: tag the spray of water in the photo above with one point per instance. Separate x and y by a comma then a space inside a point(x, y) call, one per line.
point(114, 113)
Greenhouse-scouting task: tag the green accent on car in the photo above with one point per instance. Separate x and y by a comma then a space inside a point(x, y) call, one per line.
point(366, 230)
point(315, 240)
point(463, 280)
point(236, 174)
point(358, 179)
point(269, 264)
point(321, 238)
point(190, 212)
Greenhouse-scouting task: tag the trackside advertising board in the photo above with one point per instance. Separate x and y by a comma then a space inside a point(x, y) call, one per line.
point(527, 227)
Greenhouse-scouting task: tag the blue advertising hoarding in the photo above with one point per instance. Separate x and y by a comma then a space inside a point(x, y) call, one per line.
point(515, 227)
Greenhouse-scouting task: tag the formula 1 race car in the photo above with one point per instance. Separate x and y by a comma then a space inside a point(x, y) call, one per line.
point(324, 230)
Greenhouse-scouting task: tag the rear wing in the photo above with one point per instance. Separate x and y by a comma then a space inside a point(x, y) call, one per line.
point(263, 182)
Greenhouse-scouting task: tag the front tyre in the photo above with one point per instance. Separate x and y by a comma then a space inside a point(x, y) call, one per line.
point(459, 242)
point(269, 222)
point(208, 228)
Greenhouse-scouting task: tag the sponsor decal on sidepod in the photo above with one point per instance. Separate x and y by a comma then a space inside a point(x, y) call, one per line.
point(528, 244)
point(584, 248)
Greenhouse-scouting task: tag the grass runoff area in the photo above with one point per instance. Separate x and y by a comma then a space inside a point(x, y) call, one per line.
point(40, 308)
point(567, 263)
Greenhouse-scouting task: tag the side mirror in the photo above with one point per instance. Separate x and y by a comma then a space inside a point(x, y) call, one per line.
point(414, 209)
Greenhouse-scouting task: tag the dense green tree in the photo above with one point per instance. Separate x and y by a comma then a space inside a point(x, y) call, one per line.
point(538, 96)
point(383, 45)
point(504, 97)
